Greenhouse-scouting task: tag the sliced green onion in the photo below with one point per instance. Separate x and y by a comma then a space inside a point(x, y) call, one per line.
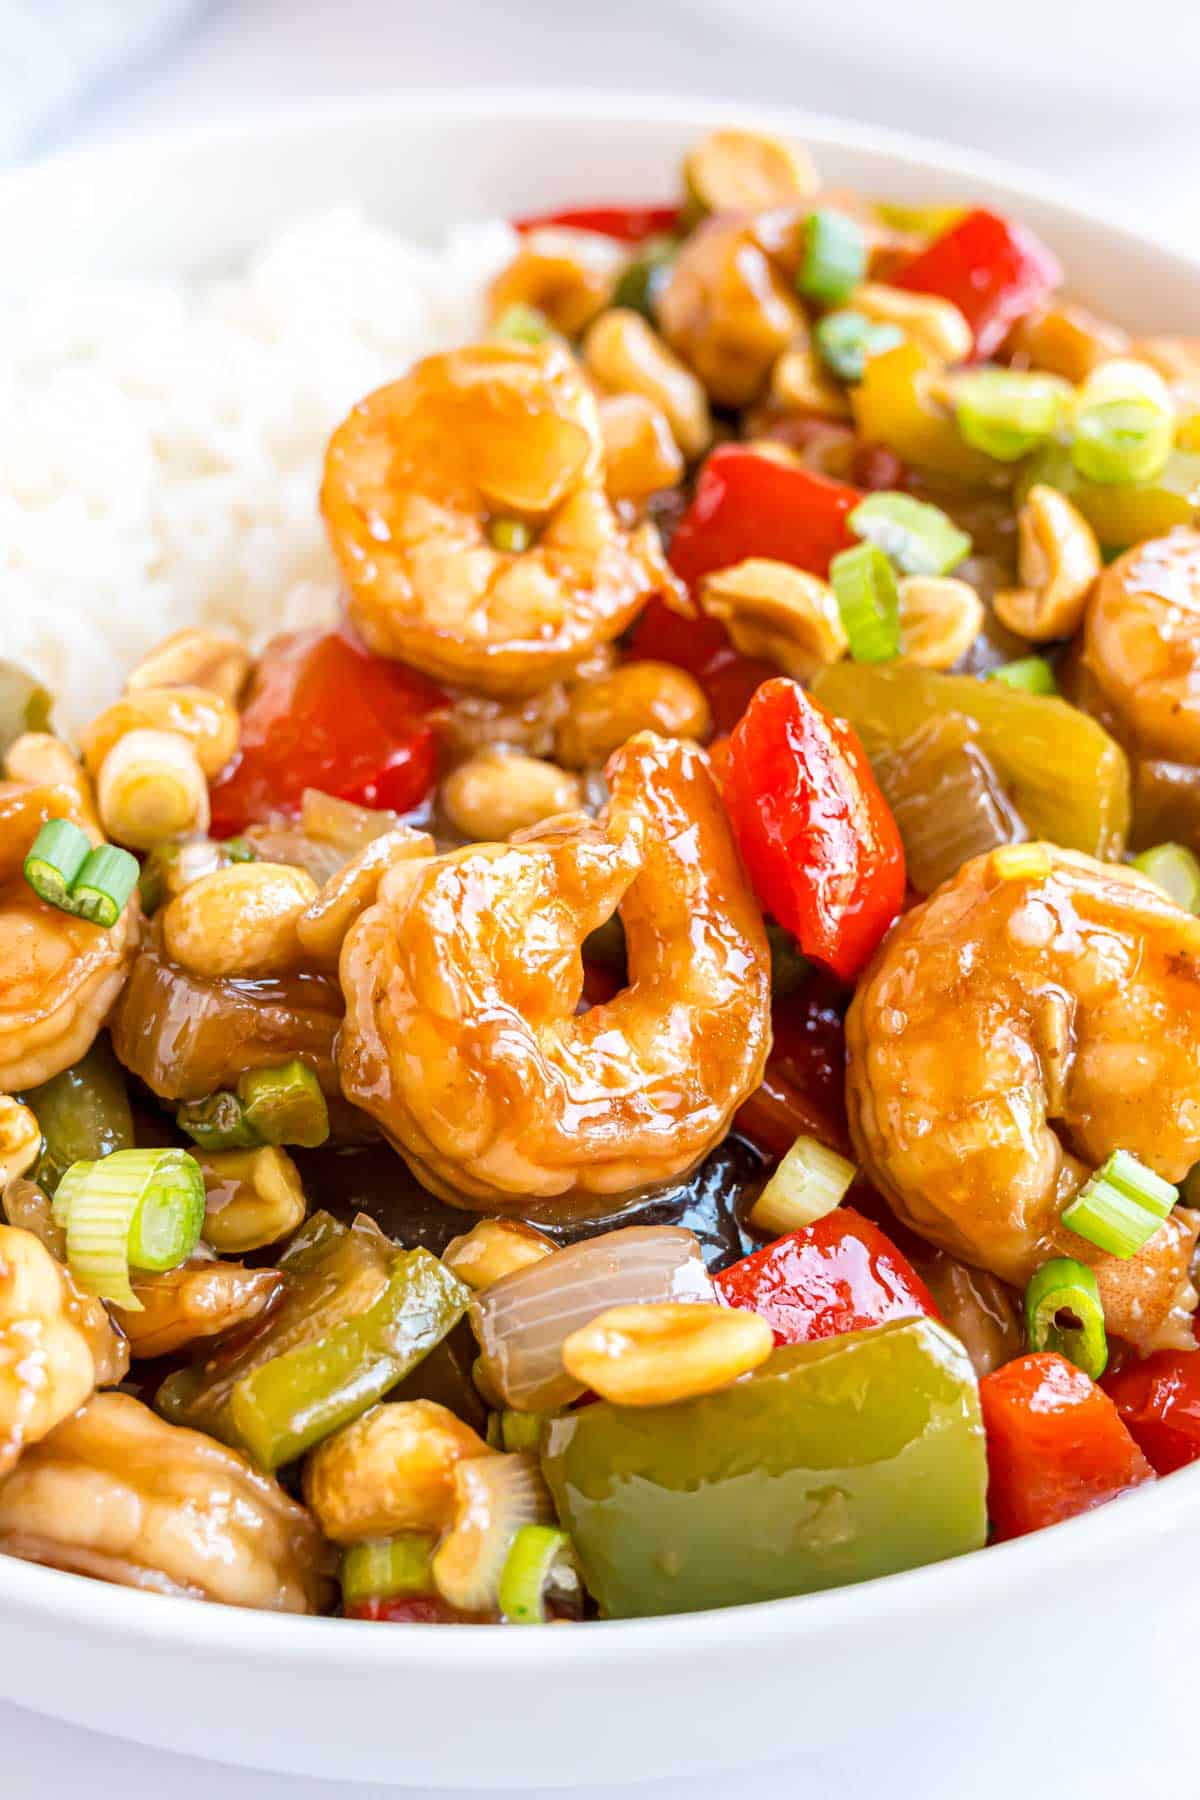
point(239, 851)
point(835, 257)
point(789, 966)
point(1174, 869)
point(864, 586)
point(520, 1430)
point(540, 1564)
point(55, 859)
point(133, 1209)
point(285, 1105)
point(1063, 1313)
point(1121, 1206)
point(642, 280)
point(918, 538)
point(1032, 674)
point(523, 325)
point(218, 1122)
point(811, 1181)
point(388, 1567)
point(846, 339)
point(103, 885)
point(1120, 441)
point(70, 1183)
point(1006, 413)
point(510, 534)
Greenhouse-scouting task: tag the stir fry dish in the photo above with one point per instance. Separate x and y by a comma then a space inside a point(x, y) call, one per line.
point(655, 1063)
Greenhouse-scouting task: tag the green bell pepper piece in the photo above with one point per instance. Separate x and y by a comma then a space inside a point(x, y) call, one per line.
point(83, 1114)
point(357, 1316)
point(1126, 512)
point(831, 1463)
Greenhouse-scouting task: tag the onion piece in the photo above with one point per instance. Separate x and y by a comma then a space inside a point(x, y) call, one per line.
point(947, 799)
point(523, 1320)
point(342, 823)
point(494, 1497)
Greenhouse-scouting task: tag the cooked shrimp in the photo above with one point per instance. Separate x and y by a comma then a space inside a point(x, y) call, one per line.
point(419, 478)
point(1037, 1012)
point(118, 1493)
point(59, 975)
point(461, 1034)
point(1142, 645)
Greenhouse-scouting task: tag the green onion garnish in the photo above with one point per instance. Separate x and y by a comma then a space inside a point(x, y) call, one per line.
point(510, 534)
point(1120, 1206)
point(1006, 413)
point(846, 339)
point(520, 1430)
point(523, 325)
point(540, 1563)
point(835, 257)
point(63, 869)
point(1174, 869)
point(918, 538)
point(1120, 441)
point(1063, 1313)
point(1032, 674)
point(140, 1209)
point(864, 585)
point(388, 1567)
point(218, 1122)
point(285, 1105)
point(810, 1181)
point(643, 279)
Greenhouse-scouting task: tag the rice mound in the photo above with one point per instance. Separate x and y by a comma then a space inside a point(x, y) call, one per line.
point(161, 443)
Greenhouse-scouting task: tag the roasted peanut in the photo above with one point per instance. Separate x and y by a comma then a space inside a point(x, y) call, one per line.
point(625, 355)
point(726, 309)
point(391, 1470)
point(151, 788)
point(777, 612)
point(20, 1139)
point(637, 696)
point(322, 927)
point(240, 920)
point(209, 723)
point(934, 325)
point(202, 1299)
point(493, 1248)
point(747, 171)
point(650, 1355)
point(1065, 339)
point(195, 658)
point(940, 618)
point(255, 1197)
point(640, 455)
point(1059, 561)
point(800, 385)
point(493, 795)
point(567, 275)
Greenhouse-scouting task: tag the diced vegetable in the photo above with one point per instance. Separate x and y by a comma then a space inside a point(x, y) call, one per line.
point(1056, 1445)
point(837, 1275)
point(1006, 413)
point(1121, 513)
point(834, 259)
point(627, 224)
point(918, 538)
point(387, 1568)
point(1121, 1205)
point(815, 832)
point(523, 325)
point(991, 268)
point(218, 1122)
point(1124, 423)
point(284, 1105)
point(947, 799)
point(846, 340)
point(894, 404)
point(1176, 870)
point(1158, 1401)
point(1068, 780)
point(540, 1563)
point(831, 1463)
point(140, 1209)
point(24, 704)
point(810, 1181)
point(1031, 674)
point(1063, 1313)
point(747, 504)
point(641, 281)
point(83, 1114)
point(864, 586)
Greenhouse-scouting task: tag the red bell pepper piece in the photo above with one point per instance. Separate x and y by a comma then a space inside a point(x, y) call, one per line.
point(628, 224)
point(841, 1274)
point(804, 1084)
point(747, 504)
point(1056, 1445)
point(416, 1609)
point(323, 713)
point(815, 833)
point(1159, 1403)
point(994, 271)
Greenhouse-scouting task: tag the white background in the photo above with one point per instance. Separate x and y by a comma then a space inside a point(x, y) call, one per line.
point(1079, 89)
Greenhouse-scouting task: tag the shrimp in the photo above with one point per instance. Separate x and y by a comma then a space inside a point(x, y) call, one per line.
point(420, 470)
point(59, 976)
point(1035, 1013)
point(1141, 645)
point(462, 982)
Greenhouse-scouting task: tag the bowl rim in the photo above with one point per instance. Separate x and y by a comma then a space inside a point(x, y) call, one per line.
point(78, 1603)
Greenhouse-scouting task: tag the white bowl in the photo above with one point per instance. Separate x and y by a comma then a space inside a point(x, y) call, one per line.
point(1083, 1615)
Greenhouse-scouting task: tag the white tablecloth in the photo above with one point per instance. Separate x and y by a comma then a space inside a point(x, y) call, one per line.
point(197, 59)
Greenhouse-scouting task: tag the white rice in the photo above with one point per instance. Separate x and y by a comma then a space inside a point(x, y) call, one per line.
point(161, 445)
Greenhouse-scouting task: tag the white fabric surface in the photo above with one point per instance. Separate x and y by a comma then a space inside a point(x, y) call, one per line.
point(216, 60)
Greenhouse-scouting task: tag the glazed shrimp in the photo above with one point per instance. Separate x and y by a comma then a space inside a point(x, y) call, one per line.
point(1141, 645)
point(59, 976)
point(1037, 1012)
point(417, 480)
point(461, 1034)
